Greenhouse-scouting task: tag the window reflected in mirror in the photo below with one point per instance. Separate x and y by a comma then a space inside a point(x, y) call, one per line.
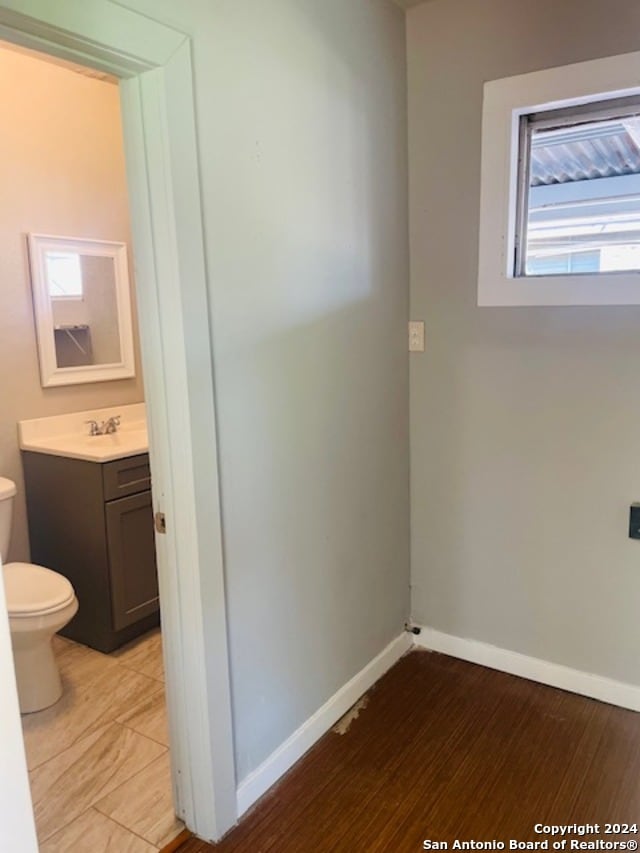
point(64, 275)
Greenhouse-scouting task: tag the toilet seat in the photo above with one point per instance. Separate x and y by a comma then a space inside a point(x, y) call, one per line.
point(35, 591)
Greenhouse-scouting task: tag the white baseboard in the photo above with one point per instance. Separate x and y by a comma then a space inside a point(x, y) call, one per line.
point(261, 779)
point(552, 674)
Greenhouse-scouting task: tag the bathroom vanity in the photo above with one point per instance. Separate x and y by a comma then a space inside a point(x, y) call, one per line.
point(91, 519)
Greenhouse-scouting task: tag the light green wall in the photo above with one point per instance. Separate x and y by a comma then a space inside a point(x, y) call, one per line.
point(301, 111)
point(524, 421)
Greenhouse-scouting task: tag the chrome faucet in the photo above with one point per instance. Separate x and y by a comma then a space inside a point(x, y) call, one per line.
point(111, 425)
point(107, 427)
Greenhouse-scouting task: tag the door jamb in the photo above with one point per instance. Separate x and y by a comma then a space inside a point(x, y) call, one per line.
point(153, 63)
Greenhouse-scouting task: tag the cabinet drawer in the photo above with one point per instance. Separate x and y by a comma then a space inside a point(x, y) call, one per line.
point(124, 477)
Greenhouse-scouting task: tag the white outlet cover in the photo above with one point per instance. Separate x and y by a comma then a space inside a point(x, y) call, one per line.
point(416, 336)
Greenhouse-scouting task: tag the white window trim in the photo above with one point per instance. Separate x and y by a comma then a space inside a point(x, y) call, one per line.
point(505, 101)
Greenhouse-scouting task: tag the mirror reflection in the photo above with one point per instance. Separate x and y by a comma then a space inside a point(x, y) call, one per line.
point(84, 308)
point(82, 304)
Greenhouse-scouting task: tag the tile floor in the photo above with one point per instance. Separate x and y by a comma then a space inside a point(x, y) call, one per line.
point(99, 758)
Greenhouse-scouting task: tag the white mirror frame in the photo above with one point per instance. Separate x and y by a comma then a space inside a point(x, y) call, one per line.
point(50, 374)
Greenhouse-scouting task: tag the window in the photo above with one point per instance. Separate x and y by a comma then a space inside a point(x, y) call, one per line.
point(64, 275)
point(569, 262)
point(579, 190)
point(560, 186)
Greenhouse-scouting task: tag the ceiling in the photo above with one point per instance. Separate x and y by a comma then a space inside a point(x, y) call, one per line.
point(64, 63)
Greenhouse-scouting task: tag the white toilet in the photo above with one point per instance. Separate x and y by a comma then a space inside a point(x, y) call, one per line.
point(40, 602)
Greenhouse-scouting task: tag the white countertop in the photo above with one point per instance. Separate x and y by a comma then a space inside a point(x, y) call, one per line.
point(68, 435)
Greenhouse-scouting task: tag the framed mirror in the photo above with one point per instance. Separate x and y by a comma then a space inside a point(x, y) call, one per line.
point(82, 304)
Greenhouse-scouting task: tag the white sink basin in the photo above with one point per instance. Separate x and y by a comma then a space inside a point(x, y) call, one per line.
point(68, 435)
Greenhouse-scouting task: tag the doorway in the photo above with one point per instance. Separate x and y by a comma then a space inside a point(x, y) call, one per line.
point(89, 520)
point(153, 65)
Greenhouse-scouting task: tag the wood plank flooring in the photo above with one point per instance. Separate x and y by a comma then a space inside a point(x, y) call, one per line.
point(448, 750)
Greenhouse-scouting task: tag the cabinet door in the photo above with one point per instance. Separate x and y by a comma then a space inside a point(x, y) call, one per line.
point(132, 559)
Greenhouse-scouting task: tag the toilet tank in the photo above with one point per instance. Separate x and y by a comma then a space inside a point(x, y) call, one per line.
point(7, 493)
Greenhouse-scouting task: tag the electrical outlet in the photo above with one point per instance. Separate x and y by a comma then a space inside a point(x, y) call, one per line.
point(416, 336)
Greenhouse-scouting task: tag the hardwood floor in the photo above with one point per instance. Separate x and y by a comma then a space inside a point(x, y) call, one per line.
point(448, 750)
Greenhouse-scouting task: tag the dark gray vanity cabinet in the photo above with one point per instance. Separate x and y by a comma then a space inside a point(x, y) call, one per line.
point(132, 564)
point(93, 523)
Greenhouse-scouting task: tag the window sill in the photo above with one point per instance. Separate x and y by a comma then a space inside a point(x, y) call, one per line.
point(602, 289)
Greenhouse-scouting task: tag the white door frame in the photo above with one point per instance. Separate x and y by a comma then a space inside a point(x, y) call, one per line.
point(153, 63)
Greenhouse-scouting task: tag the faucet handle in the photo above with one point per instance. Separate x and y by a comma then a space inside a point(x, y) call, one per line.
point(93, 427)
point(111, 424)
